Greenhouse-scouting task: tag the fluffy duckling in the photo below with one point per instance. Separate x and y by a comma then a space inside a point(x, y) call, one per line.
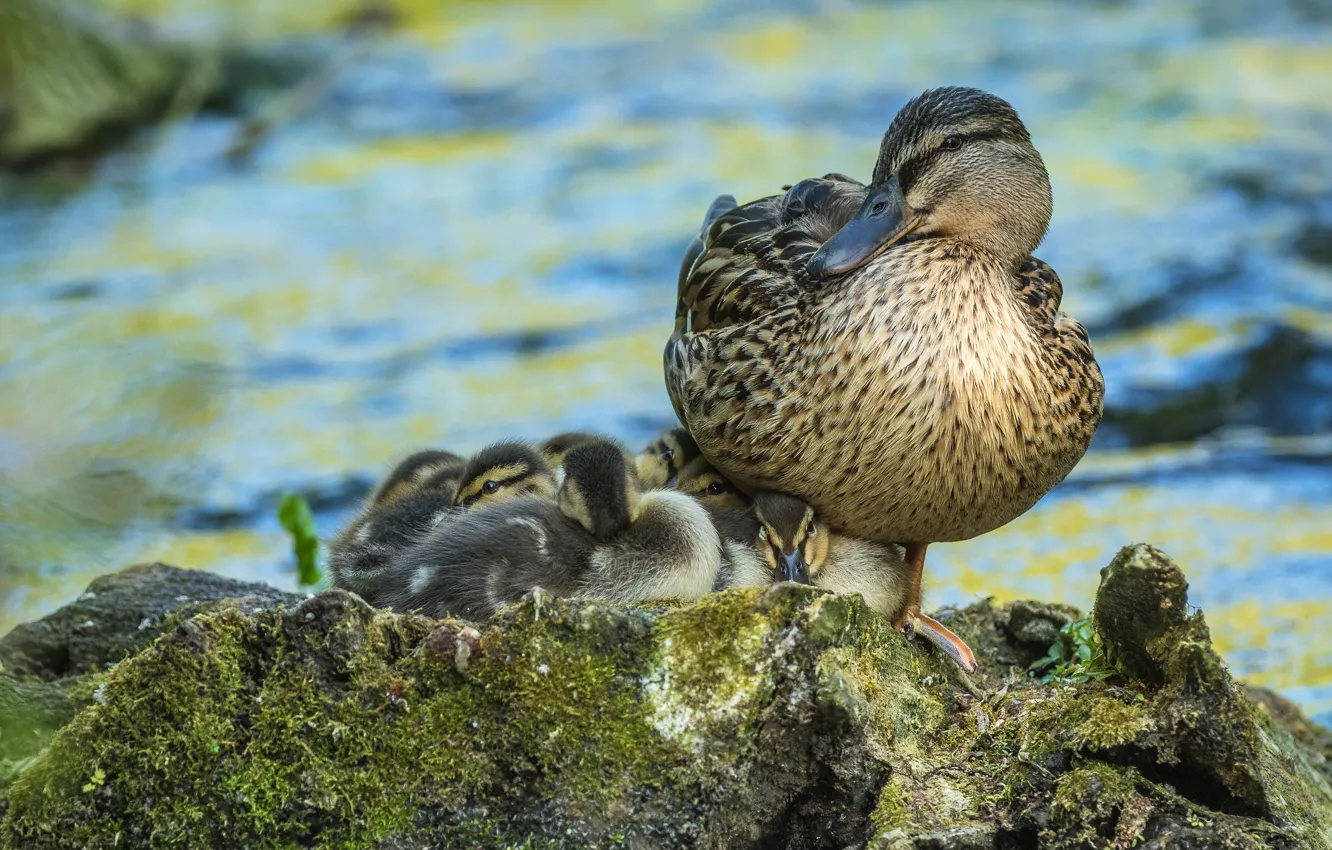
point(504, 471)
point(410, 476)
point(795, 545)
point(700, 479)
point(605, 538)
point(555, 448)
point(662, 460)
point(361, 554)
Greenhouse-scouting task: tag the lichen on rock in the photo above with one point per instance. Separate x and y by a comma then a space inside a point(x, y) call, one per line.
point(781, 717)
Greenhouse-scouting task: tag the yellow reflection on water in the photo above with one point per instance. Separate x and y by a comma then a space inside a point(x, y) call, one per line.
point(237, 351)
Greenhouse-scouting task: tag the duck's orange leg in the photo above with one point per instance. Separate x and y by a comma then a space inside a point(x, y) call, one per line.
point(911, 620)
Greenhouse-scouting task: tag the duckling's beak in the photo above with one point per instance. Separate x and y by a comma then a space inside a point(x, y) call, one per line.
point(796, 569)
point(882, 220)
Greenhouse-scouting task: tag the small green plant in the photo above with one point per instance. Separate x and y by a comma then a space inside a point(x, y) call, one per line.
point(295, 515)
point(97, 780)
point(1075, 657)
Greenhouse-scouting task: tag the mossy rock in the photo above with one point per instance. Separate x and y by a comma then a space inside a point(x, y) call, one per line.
point(774, 718)
point(75, 79)
point(120, 614)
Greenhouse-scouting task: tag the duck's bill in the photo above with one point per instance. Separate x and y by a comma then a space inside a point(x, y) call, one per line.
point(943, 637)
point(795, 567)
point(882, 221)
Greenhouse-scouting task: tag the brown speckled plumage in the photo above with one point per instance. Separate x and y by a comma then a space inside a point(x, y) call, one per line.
point(933, 393)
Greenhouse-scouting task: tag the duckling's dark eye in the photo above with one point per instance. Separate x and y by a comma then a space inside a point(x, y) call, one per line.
point(668, 455)
point(490, 487)
point(716, 488)
point(951, 143)
point(810, 529)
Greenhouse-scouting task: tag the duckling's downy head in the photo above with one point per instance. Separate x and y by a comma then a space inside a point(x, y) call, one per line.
point(600, 490)
point(662, 460)
point(701, 480)
point(415, 473)
point(554, 449)
point(791, 538)
point(501, 472)
point(956, 163)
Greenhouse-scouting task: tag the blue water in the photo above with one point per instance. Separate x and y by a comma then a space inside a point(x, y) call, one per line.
point(475, 234)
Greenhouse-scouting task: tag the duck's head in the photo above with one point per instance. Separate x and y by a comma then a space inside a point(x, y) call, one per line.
point(414, 473)
point(662, 460)
point(501, 472)
point(600, 490)
point(554, 449)
point(701, 480)
point(791, 537)
point(956, 163)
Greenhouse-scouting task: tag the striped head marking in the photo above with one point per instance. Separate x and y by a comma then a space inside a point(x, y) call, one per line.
point(412, 474)
point(791, 537)
point(699, 479)
point(502, 472)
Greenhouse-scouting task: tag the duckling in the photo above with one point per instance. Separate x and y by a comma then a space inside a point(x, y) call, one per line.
point(555, 448)
point(892, 353)
point(699, 479)
point(360, 555)
point(605, 538)
point(795, 545)
point(504, 471)
point(662, 460)
point(410, 475)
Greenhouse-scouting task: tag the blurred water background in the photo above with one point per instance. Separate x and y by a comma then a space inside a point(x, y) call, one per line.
point(474, 233)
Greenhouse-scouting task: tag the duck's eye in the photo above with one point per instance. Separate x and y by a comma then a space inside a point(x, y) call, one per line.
point(490, 488)
point(878, 208)
point(668, 455)
point(715, 489)
point(950, 143)
point(810, 529)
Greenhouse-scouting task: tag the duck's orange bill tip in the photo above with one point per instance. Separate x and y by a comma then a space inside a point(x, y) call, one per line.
point(942, 636)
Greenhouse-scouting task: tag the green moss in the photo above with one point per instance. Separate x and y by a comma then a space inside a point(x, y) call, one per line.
point(1109, 723)
point(226, 730)
point(903, 686)
point(703, 645)
point(583, 724)
point(891, 812)
point(1092, 794)
point(334, 725)
point(705, 677)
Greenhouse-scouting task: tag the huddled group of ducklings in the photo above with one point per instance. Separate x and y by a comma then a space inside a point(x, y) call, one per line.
point(578, 516)
point(886, 360)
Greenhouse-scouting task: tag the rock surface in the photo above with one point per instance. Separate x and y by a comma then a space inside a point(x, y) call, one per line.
point(775, 718)
point(120, 614)
point(75, 79)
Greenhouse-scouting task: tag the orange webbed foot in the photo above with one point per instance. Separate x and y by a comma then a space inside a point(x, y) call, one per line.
point(912, 621)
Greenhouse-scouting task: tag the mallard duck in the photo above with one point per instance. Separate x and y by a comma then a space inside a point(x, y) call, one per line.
point(605, 538)
point(664, 457)
point(891, 353)
point(791, 543)
point(411, 474)
point(359, 557)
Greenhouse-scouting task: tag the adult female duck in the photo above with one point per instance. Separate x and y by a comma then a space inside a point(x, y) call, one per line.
point(892, 354)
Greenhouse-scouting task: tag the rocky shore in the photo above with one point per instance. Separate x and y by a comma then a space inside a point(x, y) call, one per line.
point(179, 709)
